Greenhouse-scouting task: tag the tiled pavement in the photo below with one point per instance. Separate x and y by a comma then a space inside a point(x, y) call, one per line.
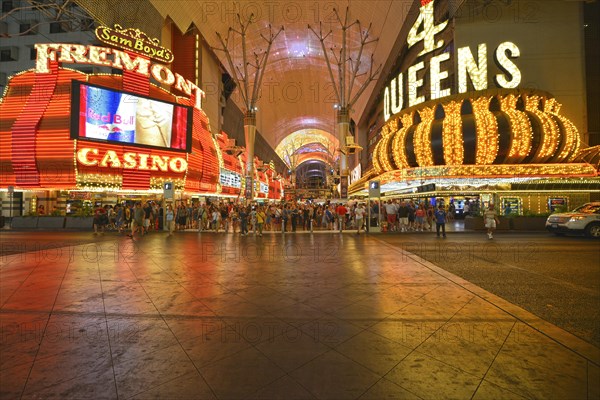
point(323, 316)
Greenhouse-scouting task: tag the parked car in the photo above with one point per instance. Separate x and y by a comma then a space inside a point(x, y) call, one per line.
point(584, 219)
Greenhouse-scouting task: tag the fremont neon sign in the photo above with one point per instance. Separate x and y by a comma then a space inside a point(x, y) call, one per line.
point(113, 58)
point(424, 29)
point(90, 157)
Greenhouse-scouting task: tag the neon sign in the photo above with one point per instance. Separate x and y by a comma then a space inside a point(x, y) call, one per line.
point(108, 57)
point(134, 40)
point(90, 157)
point(424, 30)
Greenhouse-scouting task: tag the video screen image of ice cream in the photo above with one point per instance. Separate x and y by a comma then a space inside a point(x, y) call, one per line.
point(153, 123)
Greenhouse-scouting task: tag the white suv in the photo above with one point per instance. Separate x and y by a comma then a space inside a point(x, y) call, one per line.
point(584, 219)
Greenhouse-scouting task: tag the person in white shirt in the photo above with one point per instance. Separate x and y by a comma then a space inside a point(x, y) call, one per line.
point(170, 217)
point(359, 216)
point(490, 218)
point(391, 210)
point(215, 219)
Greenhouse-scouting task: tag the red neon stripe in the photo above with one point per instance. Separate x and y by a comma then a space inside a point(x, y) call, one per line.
point(25, 128)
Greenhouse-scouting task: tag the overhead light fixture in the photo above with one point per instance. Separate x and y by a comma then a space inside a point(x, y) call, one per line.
point(350, 147)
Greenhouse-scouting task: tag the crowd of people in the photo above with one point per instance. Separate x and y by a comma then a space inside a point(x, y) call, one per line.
point(290, 217)
point(141, 218)
point(128, 218)
point(392, 215)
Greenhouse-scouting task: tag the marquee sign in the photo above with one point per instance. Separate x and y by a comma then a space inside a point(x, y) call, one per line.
point(264, 188)
point(135, 41)
point(424, 30)
point(356, 173)
point(230, 179)
point(90, 157)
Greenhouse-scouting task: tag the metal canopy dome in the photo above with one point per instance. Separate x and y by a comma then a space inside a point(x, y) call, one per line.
point(296, 89)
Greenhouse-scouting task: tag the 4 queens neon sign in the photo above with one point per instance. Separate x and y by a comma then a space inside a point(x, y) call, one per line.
point(424, 30)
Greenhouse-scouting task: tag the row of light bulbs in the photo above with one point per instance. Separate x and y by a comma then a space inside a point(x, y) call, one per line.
point(487, 133)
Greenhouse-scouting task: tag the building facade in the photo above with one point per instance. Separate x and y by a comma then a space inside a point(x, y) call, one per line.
point(476, 108)
point(71, 138)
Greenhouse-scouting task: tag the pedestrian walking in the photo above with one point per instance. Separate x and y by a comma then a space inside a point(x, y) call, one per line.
point(490, 218)
point(285, 214)
point(430, 217)
point(440, 221)
point(215, 219)
point(202, 218)
point(420, 218)
point(341, 213)
point(359, 216)
point(260, 220)
point(170, 217)
point(294, 215)
point(403, 211)
point(253, 219)
point(244, 214)
point(100, 220)
point(392, 211)
point(138, 220)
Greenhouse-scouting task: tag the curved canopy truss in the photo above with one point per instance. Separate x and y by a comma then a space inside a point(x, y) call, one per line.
point(312, 174)
point(296, 92)
point(308, 144)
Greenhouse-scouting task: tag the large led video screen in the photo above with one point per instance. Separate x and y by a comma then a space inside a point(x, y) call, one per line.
point(103, 114)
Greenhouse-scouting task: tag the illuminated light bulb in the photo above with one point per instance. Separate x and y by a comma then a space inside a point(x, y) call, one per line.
point(571, 134)
point(505, 170)
point(467, 66)
point(452, 138)
point(384, 156)
point(385, 130)
point(398, 143)
point(397, 95)
point(506, 63)
point(376, 163)
point(414, 84)
point(393, 125)
point(522, 133)
point(422, 138)
point(487, 131)
point(550, 130)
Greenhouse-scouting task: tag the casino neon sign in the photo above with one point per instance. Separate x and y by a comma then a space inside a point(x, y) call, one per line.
point(90, 157)
point(424, 30)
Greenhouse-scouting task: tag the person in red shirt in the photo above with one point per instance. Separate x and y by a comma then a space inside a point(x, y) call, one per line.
point(100, 220)
point(420, 218)
point(341, 213)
